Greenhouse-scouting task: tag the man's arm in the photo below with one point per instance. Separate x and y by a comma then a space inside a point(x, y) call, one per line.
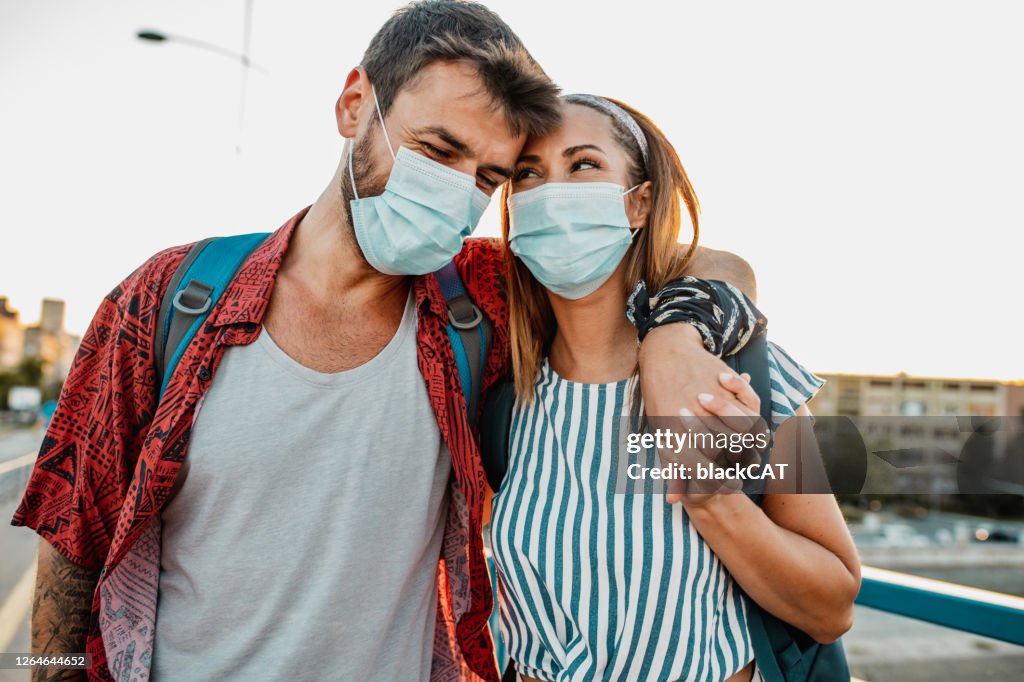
point(726, 267)
point(674, 366)
point(101, 420)
point(60, 610)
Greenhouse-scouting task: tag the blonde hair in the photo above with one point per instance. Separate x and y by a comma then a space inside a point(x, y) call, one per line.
point(653, 257)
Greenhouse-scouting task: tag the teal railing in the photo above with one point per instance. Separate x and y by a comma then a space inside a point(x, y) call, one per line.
point(990, 614)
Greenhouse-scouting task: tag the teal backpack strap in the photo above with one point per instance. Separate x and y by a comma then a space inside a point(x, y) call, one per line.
point(783, 652)
point(197, 284)
point(469, 333)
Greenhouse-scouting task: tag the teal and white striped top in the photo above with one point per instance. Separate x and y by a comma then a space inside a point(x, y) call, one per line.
point(596, 585)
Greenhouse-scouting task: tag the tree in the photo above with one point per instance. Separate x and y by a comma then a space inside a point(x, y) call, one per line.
point(28, 372)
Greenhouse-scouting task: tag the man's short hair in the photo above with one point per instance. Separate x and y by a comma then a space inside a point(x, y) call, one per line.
point(425, 32)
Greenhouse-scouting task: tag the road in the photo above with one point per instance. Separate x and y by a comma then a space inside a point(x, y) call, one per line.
point(17, 547)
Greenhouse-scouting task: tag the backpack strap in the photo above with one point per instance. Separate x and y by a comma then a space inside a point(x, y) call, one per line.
point(469, 333)
point(496, 429)
point(197, 284)
point(753, 359)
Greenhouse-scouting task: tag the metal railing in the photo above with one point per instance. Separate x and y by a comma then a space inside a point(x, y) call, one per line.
point(969, 609)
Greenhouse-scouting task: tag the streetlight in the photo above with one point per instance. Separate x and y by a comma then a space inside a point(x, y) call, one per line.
point(158, 37)
point(152, 36)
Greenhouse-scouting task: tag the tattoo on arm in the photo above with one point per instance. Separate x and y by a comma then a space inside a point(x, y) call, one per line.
point(60, 610)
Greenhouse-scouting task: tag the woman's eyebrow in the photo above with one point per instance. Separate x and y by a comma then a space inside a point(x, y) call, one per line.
point(569, 151)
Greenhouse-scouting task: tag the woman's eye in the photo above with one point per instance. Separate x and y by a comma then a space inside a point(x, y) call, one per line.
point(524, 173)
point(585, 164)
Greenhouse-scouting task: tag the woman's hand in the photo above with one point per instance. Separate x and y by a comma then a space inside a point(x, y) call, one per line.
point(717, 417)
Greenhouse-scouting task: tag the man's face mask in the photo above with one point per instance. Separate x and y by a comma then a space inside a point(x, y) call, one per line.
point(570, 235)
point(419, 222)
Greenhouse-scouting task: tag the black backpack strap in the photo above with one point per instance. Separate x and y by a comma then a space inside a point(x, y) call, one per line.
point(753, 359)
point(495, 430)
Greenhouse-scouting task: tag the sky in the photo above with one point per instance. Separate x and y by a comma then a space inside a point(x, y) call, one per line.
point(864, 157)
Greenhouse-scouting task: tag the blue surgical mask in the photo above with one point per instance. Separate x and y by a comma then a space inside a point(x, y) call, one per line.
point(420, 221)
point(570, 235)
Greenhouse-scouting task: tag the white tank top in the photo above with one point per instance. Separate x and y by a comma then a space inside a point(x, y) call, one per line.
point(303, 540)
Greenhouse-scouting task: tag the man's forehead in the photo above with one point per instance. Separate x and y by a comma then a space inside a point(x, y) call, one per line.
point(451, 99)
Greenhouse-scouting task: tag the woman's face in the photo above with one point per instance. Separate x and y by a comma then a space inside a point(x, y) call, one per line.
point(581, 149)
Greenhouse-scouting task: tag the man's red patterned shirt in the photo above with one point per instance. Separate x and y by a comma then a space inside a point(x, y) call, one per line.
point(111, 454)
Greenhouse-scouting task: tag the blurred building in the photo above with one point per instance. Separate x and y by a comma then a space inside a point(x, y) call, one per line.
point(12, 336)
point(866, 395)
point(1015, 399)
point(923, 453)
point(50, 342)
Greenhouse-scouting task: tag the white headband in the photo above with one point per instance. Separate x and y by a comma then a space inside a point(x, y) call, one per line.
point(620, 115)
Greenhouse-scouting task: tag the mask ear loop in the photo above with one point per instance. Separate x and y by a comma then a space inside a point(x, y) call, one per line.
point(352, 144)
point(380, 116)
point(633, 231)
point(351, 177)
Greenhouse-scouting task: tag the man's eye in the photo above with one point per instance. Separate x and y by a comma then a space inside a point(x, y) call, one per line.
point(490, 183)
point(435, 151)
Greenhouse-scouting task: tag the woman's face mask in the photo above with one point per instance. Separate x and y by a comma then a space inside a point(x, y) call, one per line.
point(570, 235)
point(567, 213)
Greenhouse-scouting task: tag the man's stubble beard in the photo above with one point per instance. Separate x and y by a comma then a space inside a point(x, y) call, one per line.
point(367, 181)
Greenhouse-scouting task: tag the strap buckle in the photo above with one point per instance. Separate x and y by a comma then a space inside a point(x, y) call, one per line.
point(196, 291)
point(472, 323)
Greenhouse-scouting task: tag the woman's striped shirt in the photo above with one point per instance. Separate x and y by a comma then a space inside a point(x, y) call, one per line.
point(596, 585)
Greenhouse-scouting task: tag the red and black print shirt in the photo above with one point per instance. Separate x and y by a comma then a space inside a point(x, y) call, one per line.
point(111, 454)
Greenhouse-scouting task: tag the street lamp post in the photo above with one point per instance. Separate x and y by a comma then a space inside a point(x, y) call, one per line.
point(152, 36)
point(159, 37)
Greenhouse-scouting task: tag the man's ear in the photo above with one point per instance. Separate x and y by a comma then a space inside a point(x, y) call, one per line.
point(347, 108)
point(638, 205)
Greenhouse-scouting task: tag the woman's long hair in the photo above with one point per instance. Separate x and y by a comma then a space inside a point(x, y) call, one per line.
point(655, 255)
